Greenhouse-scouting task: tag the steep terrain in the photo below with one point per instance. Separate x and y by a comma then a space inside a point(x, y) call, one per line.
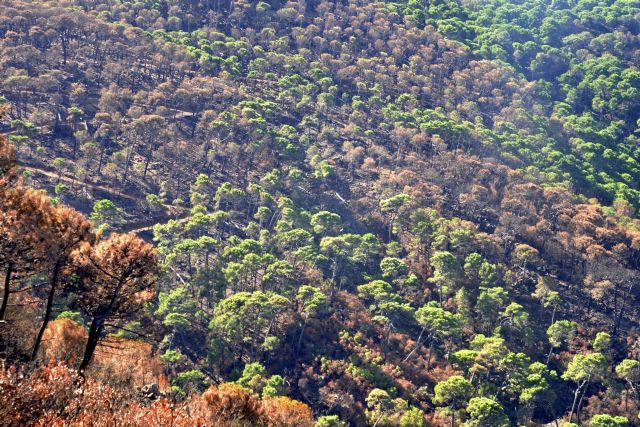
point(398, 213)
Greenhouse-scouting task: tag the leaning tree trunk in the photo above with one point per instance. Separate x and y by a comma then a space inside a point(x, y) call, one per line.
point(575, 400)
point(620, 314)
point(97, 325)
point(549, 355)
point(126, 165)
point(385, 345)
point(334, 275)
point(304, 325)
point(418, 344)
point(573, 405)
point(7, 289)
point(580, 402)
point(430, 354)
point(47, 313)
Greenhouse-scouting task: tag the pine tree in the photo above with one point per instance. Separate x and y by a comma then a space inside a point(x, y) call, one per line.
point(116, 277)
point(67, 228)
point(24, 232)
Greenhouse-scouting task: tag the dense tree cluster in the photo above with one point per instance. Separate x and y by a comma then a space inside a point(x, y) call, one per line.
point(396, 213)
point(584, 57)
point(322, 81)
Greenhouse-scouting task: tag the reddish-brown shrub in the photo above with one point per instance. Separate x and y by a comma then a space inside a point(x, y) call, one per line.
point(230, 404)
point(284, 412)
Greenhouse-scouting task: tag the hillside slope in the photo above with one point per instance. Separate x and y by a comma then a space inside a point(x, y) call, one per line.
point(398, 213)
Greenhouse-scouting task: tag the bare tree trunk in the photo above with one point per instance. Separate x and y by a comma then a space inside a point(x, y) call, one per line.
point(7, 290)
point(47, 313)
point(65, 53)
point(97, 324)
point(126, 166)
point(306, 318)
point(430, 352)
point(575, 399)
point(146, 165)
point(385, 345)
point(620, 314)
point(378, 419)
point(580, 402)
point(100, 161)
point(334, 274)
point(418, 343)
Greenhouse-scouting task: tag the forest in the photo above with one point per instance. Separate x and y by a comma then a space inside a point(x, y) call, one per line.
point(317, 213)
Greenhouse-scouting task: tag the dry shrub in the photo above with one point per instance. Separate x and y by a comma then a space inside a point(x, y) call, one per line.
point(440, 373)
point(128, 364)
point(124, 363)
point(284, 412)
point(55, 395)
point(18, 333)
point(159, 413)
point(439, 419)
point(64, 341)
point(232, 405)
point(28, 397)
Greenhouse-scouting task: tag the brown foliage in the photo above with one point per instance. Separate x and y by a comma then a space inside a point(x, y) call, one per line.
point(24, 215)
point(21, 326)
point(8, 174)
point(63, 341)
point(122, 363)
point(37, 396)
point(54, 395)
point(284, 412)
point(67, 228)
point(158, 414)
point(23, 228)
point(128, 364)
point(232, 405)
point(117, 275)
